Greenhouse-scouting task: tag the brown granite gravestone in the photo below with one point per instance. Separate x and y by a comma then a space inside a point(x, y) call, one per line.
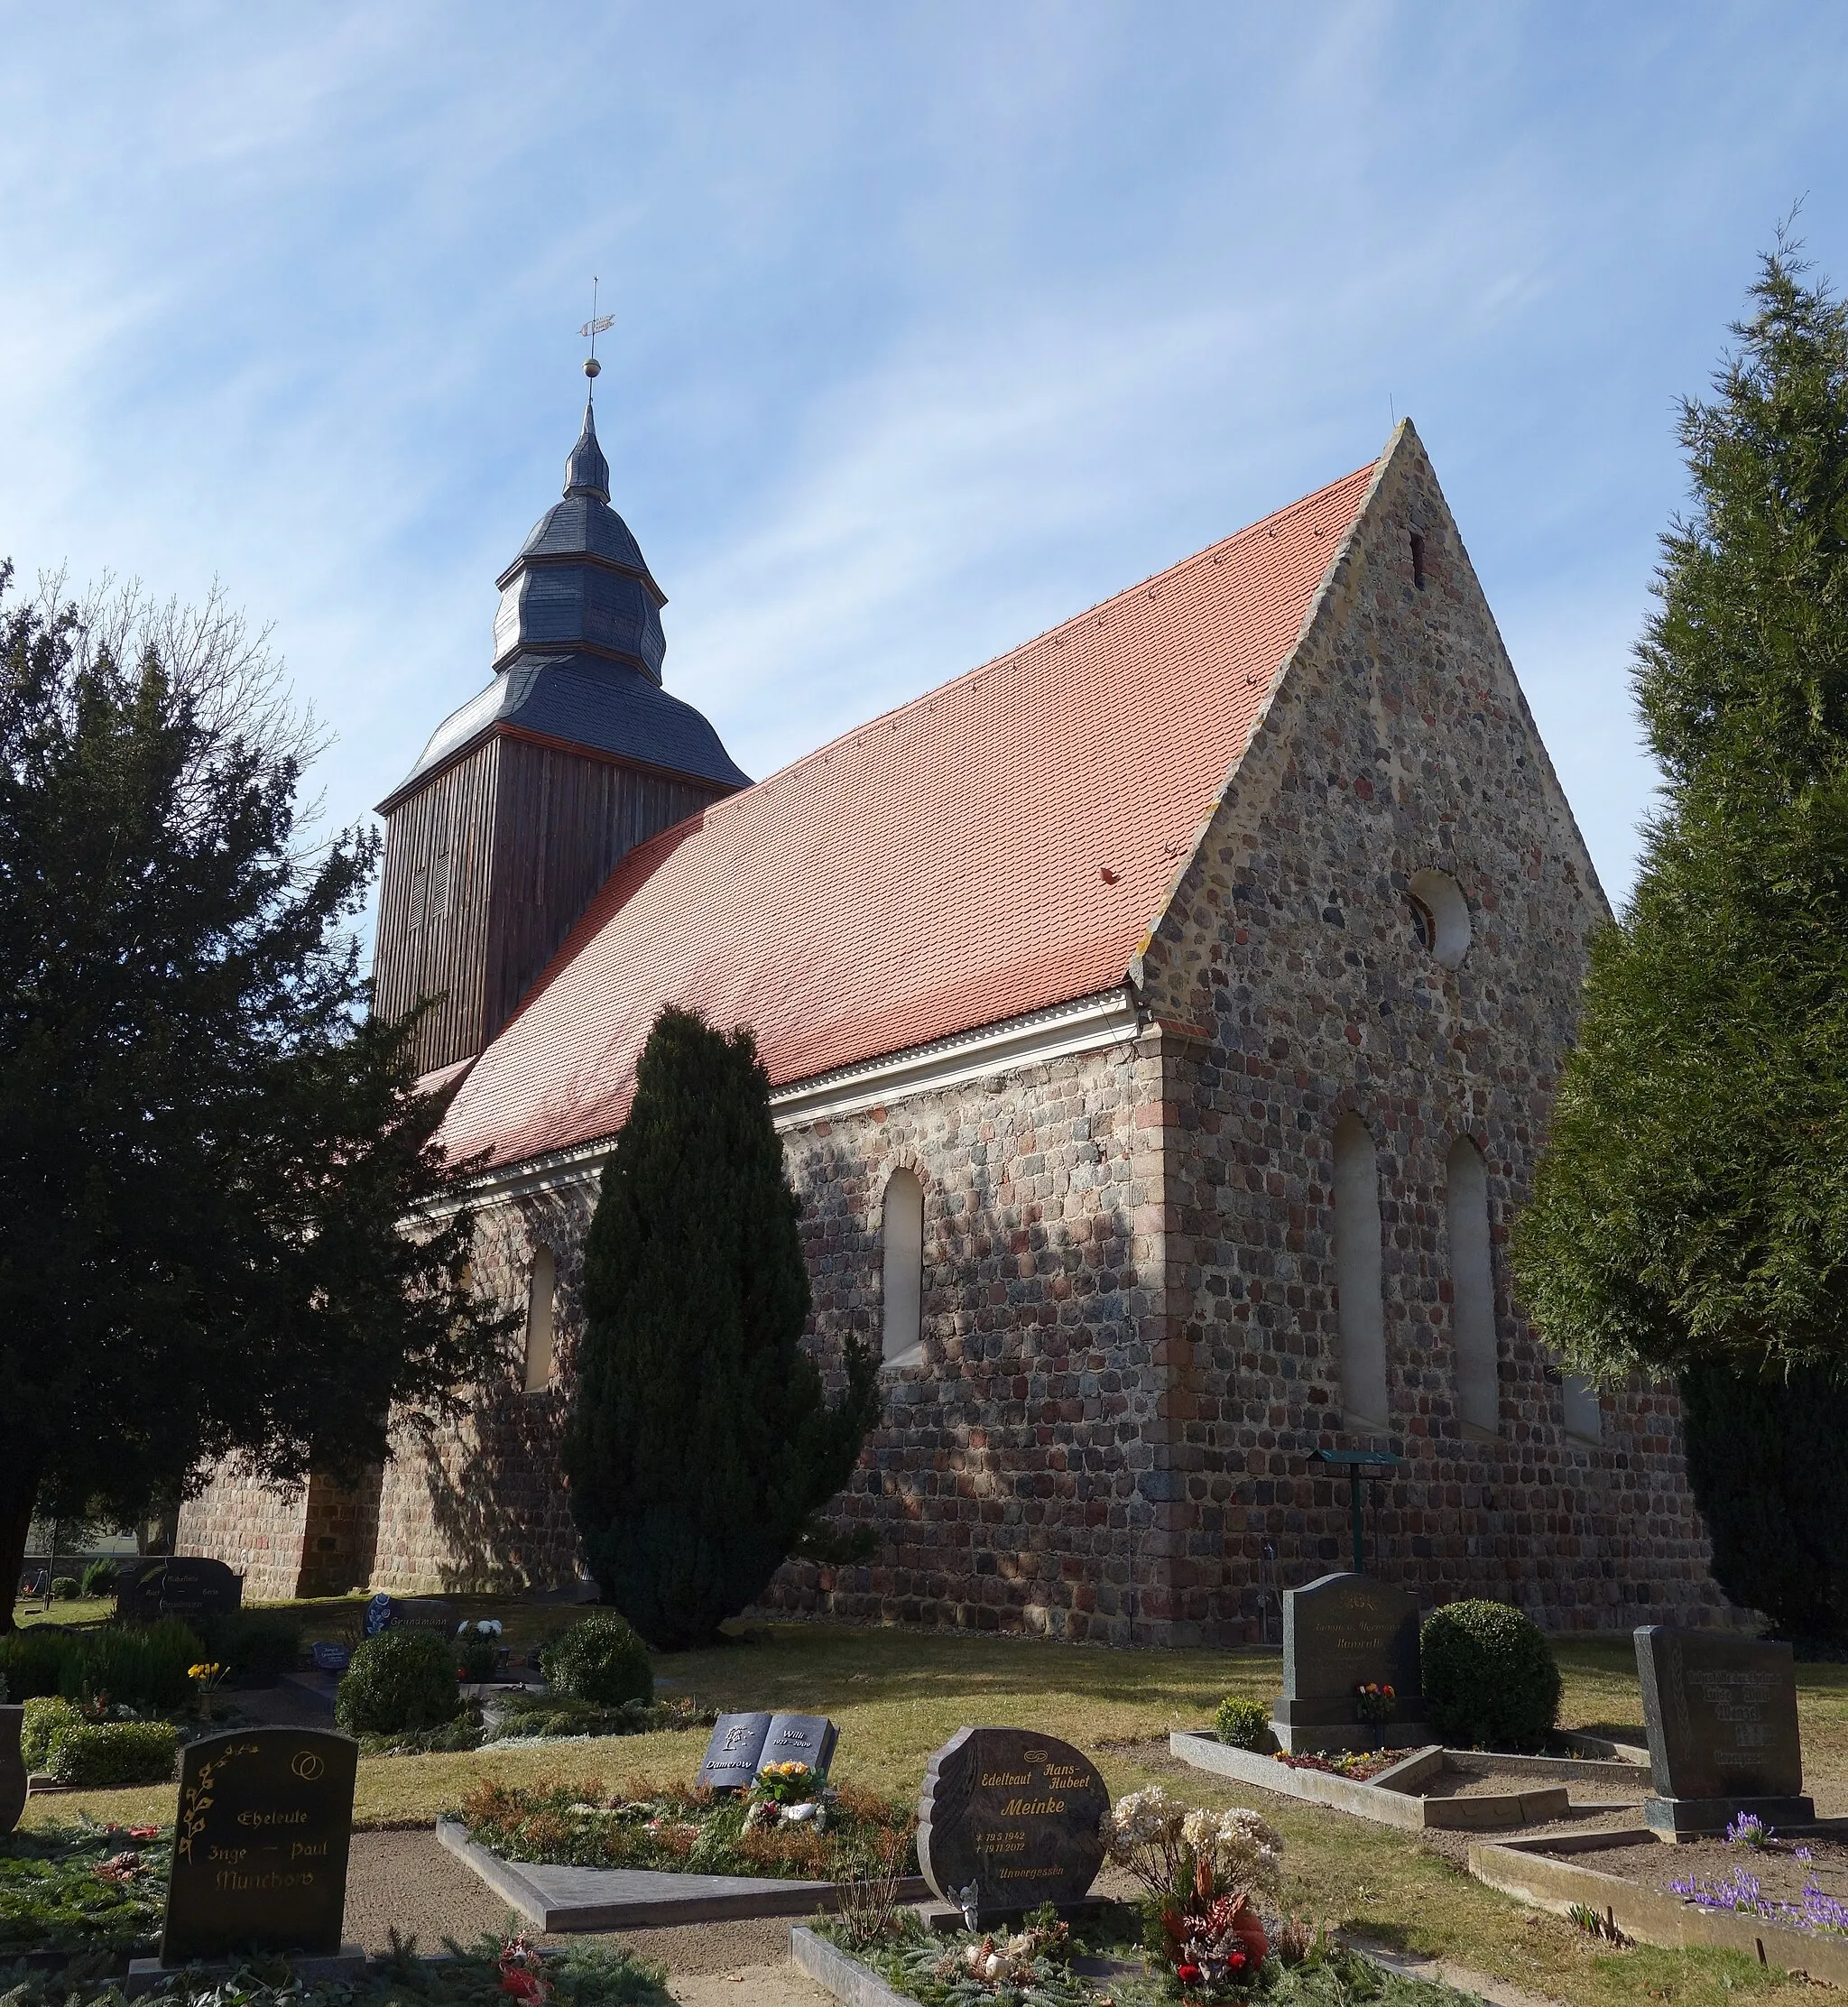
point(1009, 1819)
point(1722, 1718)
point(1339, 1632)
point(259, 1845)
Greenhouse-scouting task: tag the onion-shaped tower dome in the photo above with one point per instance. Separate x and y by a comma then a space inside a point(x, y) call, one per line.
point(578, 646)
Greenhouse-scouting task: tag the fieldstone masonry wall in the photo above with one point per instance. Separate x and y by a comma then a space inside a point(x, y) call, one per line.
point(1130, 1318)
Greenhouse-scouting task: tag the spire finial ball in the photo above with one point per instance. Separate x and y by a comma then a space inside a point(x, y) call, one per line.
point(592, 367)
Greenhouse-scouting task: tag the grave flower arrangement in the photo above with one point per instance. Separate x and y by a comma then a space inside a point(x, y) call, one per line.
point(1373, 1702)
point(206, 1678)
point(788, 1792)
point(1204, 1873)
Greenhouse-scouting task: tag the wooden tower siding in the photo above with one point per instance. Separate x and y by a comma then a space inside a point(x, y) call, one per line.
point(487, 867)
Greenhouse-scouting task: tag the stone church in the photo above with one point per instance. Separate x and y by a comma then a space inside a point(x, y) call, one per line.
point(1162, 1019)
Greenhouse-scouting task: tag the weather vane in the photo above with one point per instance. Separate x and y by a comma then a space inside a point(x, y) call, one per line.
point(592, 328)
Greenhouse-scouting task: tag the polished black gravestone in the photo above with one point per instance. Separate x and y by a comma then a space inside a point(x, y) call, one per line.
point(176, 1585)
point(742, 1744)
point(1339, 1633)
point(1722, 1718)
point(13, 1778)
point(1008, 1820)
point(259, 1845)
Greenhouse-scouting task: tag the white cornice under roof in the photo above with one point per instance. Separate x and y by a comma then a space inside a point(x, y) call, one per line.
point(1083, 1025)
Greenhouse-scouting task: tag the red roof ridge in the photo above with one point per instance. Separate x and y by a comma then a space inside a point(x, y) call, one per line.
point(1095, 611)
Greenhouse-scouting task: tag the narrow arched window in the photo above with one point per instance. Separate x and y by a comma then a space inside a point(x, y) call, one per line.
point(1584, 1412)
point(901, 1243)
point(1472, 1287)
point(1359, 1313)
point(539, 1290)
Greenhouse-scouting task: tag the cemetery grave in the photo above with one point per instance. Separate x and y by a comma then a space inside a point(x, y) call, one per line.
point(1013, 1826)
point(1351, 1646)
point(760, 1833)
point(1730, 1850)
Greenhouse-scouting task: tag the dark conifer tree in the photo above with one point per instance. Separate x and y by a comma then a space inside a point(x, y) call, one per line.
point(1693, 1200)
point(206, 1150)
point(700, 1442)
point(1690, 1215)
point(1768, 1459)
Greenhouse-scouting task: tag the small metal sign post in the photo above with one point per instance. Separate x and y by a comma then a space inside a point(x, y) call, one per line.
point(1370, 1464)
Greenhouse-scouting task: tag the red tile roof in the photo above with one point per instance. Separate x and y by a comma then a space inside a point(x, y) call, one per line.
point(1001, 845)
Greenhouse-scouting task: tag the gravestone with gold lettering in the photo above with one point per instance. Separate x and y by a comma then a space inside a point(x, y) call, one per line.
point(259, 1845)
point(1341, 1632)
point(1722, 1717)
point(1009, 1819)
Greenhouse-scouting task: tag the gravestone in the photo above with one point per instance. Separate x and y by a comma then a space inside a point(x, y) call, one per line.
point(1722, 1718)
point(742, 1744)
point(1340, 1632)
point(1009, 1819)
point(259, 1845)
point(176, 1585)
point(13, 1778)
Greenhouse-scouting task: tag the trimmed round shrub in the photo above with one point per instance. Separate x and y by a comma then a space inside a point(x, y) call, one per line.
point(45, 1715)
point(1489, 1678)
point(1243, 1724)
point(601, 1660)
point(99, 1578)
point(98, 1754)
point(64, 1588)
point(397, 1680)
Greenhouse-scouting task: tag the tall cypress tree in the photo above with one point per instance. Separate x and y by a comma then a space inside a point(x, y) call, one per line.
point(700, 1441)
point(1693, 1201)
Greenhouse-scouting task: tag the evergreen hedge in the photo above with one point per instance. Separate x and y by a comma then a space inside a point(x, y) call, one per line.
point(1489, 1678)
point(137, 1665)
point(100, 1755)
point(700, 1444)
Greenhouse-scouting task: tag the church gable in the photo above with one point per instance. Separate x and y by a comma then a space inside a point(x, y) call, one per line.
point(1394, 741)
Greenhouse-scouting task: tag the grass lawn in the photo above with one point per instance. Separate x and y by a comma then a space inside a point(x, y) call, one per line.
point(82, 1609)
point(897, 1695)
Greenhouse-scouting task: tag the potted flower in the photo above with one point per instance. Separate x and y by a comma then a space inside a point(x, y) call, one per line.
point(789, 1793)
point(477, 1650)
point(1373, 1703)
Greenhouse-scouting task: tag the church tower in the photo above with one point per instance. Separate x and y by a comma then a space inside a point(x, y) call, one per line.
point(525, 800)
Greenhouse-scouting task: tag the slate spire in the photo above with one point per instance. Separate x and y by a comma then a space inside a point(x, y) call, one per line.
point(586, 472)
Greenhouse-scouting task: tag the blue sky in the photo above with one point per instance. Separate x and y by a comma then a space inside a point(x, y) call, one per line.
point(934, 323)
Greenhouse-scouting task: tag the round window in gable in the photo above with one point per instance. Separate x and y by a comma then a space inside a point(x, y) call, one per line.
point(1441, 915)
